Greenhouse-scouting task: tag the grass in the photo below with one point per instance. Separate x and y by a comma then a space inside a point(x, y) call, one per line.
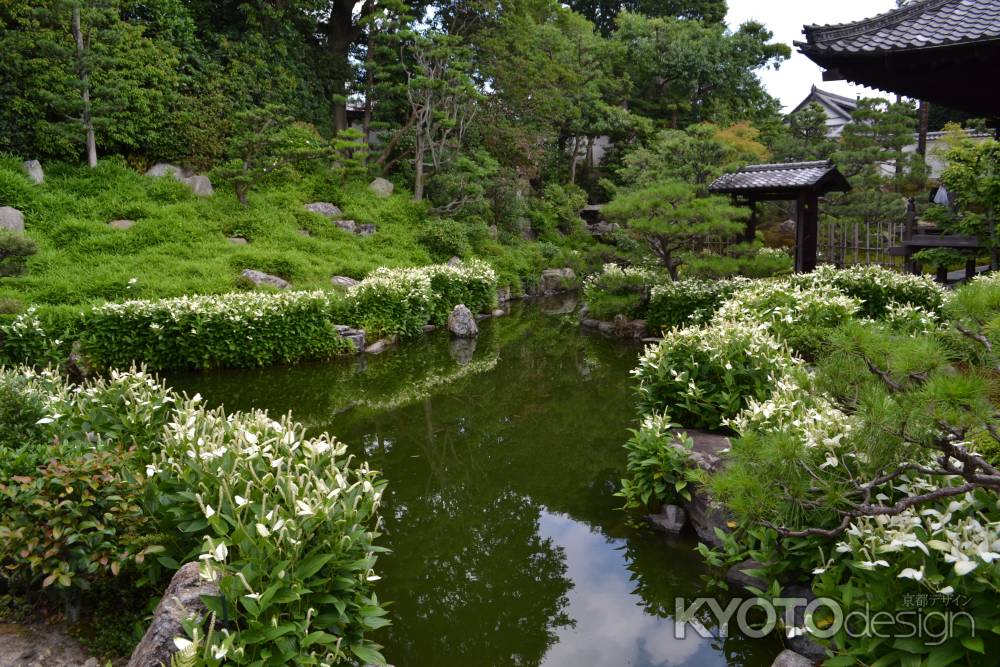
point(179, 243)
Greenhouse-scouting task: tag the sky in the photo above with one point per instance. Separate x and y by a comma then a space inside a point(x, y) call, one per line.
point(785, 18)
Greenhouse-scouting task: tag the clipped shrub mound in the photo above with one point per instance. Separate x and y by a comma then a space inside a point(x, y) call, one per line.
point(877, 288)
point(122, 477)
point(704, 376)
point(618, 290)
point(687, 302)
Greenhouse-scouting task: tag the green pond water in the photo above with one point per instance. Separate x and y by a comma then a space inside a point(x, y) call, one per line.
point(503, 456)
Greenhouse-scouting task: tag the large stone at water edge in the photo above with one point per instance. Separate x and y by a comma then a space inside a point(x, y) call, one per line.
point(462, 323)
point(740, 581)
point(381, 187)
point(12, 219)
point(261, 278)
point(33, 168)
point(791, 659)
point(181, 601)
point(671, 519)
point(557, 280)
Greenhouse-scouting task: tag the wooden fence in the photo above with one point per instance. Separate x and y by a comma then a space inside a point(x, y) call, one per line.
point(845, 245)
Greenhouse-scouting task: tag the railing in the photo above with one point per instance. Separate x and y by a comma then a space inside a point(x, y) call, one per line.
point(848, 244)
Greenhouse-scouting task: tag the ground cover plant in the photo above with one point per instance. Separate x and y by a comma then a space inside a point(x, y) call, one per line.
point(867, 475)
point(121, 479)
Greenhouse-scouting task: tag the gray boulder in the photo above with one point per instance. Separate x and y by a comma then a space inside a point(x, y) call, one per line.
point(343, 281)
point(504, 294)
point(365, 230)
point(429, 328)
point(356, 336)
point(378, 347)
point(462, 350)
point(237, 240)
point(462, 323)
point(792, 659)
point(347, 225)
point(455, 261)
point(165, 169)
point(557, 280)
point(12, 219)
point(803, 645)
point(33, 168)
point(181, 601)
point(671, 519)
point(261, 278)
point(705, 514)
point(741, 582)
point(326, 209)
point(381, 187)
point(199, 184)
point(121, 224)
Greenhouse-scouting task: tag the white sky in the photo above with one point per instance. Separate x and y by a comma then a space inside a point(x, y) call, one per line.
point(785, 19)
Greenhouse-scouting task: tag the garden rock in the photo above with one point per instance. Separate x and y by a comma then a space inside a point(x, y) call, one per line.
point(803, 644)
point(33, 168)
point(365, 230)
point(344, 281)
point(428, 328)
point(381, 187)
point(261, 278)
point(626, 328)
point(12, 219)
point(499, 312)
point(326, 209)
point(671, 519)
point(40, 646)
point(165, 169)
point(378, 347)
point(199, 184)
point(503, 294)
point(356, 336)
point(79, 367)
point(462, 323)
point(305, 232)
point(347, 225)
point(121, 224)
point(237, 240)
point(705, 514)
point(741, 582)
point(455, 261)
point(792, 659)
point(181, 601)
point(557, 280)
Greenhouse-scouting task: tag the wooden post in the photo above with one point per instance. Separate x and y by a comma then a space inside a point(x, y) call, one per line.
point(806, 230)
point(751, 229)
point(909, 227)
point(970, 268)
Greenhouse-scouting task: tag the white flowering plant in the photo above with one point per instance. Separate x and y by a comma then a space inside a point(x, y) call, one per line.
point(688, 302)
point(876, 287)
point(658, 466)
point(703, 376)
point(802, 317)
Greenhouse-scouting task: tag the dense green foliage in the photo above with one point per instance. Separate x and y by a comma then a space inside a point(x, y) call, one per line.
point(126, 479)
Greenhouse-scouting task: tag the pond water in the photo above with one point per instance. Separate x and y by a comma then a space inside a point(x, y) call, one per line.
point(503, 456)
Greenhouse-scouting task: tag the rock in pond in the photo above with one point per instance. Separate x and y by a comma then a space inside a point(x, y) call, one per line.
point(381, 187)
point(671, 519)
point(121, 224)
point(462, 323)
point(462, 350)
point(504, 294)
point(705, 514)
point(11, 218)
point(792, 659)
point(557, 280)
point(356, 336)
point(33, 168)
point(740, 581)
point(343, 281)
point(261, 278)
point(181, 601)
point(379, 346)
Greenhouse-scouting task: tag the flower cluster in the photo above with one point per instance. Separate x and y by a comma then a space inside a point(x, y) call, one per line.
point(876, 287)
point(703, 376)
point(685, 302)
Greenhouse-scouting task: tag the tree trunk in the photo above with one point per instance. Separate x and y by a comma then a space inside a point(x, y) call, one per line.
point(341, 33)
point(418, 171)
point(84, 76)
point(924, 116)
point(572, 160)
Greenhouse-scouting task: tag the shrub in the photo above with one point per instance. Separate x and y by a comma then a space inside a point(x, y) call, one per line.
point(286, 524)
point(685, 302)
point(229, 330)
point(35, 337)
point(702, 377)
point(801, 317)
point(877, 288)
point(618, 290)
point(657, 464)
point(72, 521)
point(445, 238)
point(14, 251)
point(749, 263)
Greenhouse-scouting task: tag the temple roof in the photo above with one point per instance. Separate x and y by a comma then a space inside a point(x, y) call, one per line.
point(924, 24)
point(789, 177)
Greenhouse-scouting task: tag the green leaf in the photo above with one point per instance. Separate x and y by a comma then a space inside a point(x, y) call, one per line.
point(367, 654)
point(312, 565)
point(973, 644)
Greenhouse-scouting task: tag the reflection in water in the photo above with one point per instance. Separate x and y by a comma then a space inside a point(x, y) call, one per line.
point(502, 459)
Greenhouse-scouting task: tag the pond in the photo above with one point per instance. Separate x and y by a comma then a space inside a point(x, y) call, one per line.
point(503, 456)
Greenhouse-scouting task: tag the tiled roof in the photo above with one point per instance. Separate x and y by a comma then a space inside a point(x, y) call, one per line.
point(838, 104)
point(764, 177)
point(919, 25)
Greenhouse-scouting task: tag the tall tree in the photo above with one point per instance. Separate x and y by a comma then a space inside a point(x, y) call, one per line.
point(603, 13)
